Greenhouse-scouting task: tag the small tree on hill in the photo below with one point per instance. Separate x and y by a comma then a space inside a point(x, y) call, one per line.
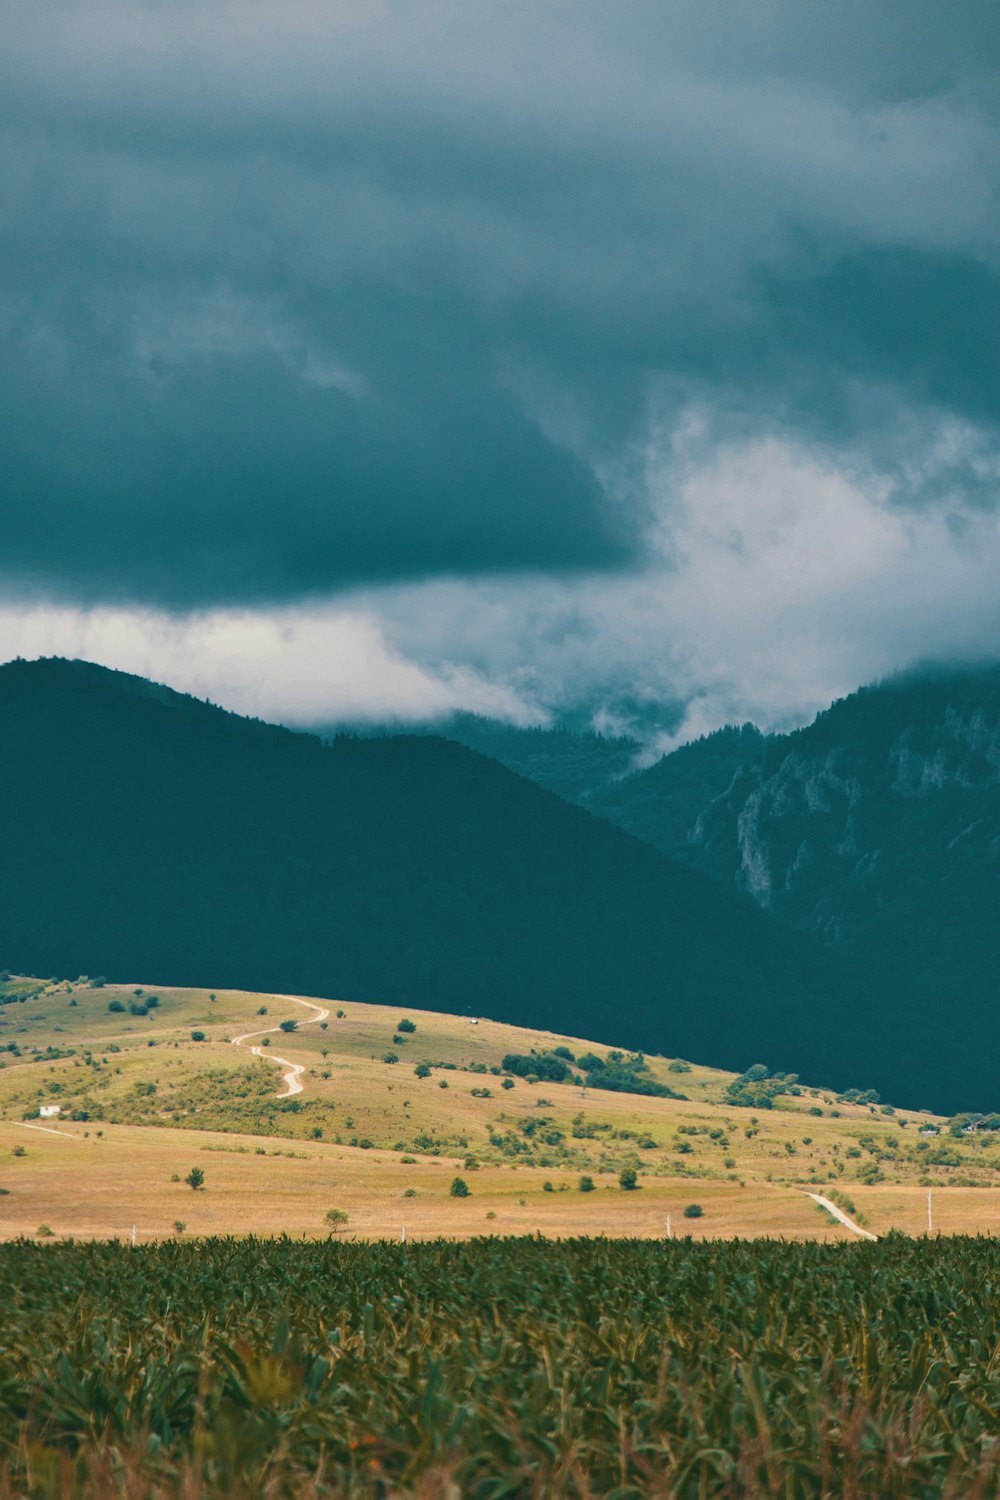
point(289, 1026)
point(459, 1188)
point(628, 1179)
point(195, 1179)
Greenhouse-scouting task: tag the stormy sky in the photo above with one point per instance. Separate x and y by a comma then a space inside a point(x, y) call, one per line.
point(376, 360)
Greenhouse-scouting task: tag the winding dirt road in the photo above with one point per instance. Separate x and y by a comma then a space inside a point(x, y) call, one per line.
point(838, 1213)
point(293, 1071)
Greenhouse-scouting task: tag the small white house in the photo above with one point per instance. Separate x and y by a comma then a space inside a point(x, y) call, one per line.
point(49, 1111)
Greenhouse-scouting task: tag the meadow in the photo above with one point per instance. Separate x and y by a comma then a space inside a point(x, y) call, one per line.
point(501, 1367)
point(395, 1105)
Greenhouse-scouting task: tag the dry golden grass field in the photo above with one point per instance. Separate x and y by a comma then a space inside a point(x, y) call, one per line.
point(145, 1097)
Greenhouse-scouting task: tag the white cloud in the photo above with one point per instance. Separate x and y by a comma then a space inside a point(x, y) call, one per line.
point(780, 577)
point(297, 666)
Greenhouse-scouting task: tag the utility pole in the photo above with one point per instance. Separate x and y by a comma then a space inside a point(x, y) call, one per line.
point(402, 1235)
point(669, 1234)
point(930, 1213)
point(133, 1235)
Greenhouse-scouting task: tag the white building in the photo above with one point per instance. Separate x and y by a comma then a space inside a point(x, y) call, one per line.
point(49, 1111)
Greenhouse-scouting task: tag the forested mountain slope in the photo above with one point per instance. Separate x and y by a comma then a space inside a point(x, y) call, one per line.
point(876, 828)
point(574, 762)
point(149, 834)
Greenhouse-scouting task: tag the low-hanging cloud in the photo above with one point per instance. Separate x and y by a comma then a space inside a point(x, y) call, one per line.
point(778, 579)
point(298, 667)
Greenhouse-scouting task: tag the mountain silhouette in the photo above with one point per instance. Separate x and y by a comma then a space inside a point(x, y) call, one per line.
point(148, 835)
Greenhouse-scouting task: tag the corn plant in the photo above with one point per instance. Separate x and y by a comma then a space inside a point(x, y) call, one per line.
point(501, 1367)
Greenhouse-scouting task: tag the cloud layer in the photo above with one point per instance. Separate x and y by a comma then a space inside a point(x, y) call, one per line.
point(557, 353)
point(775, 583)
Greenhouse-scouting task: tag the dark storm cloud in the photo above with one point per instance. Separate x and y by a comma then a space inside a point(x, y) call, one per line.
point(298, 296)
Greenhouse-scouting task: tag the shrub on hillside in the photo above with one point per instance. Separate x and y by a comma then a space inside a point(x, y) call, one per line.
point(623, 1073)
point(537, 1065)
point(757, 1089)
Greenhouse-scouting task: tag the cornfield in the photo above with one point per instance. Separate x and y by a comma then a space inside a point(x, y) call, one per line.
point(525, 1368)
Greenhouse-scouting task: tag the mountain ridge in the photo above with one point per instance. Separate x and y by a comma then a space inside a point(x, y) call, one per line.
point(145, 833)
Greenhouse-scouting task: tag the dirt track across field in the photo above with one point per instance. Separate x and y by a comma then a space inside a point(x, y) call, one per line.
point(841, 1217)
point(292, 1075)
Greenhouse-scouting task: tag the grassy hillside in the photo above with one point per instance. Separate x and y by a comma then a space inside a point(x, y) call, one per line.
point(146, 832)
point(142, 1102)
